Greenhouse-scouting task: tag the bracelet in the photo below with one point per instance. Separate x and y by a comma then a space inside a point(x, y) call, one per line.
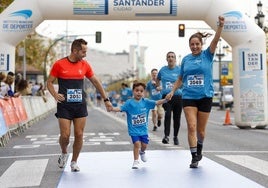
point(106, 100)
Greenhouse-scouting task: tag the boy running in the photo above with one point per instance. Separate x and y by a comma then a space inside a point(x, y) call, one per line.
point(137, 110)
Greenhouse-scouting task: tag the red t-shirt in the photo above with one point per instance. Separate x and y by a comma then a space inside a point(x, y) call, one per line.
point(71, 78)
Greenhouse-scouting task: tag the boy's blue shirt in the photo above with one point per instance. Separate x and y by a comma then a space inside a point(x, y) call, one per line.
point(137, 115)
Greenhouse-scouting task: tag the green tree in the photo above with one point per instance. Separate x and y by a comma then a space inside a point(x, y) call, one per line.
point(36, 48)
point(4, 4)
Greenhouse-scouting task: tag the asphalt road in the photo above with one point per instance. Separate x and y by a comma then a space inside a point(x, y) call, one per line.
point(244, 151)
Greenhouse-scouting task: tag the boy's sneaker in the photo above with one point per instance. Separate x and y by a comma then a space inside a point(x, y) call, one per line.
point(155, 128)
point(62, 160)
point(74, 167)
point(143, 156)
point(135, 164)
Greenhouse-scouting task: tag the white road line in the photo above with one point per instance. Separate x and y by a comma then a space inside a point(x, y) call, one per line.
point(118, 143)
point(249, 162)
point(100, 139)
point(24, 173)
point(91, 143)
point(29, 156)
point(25, 146)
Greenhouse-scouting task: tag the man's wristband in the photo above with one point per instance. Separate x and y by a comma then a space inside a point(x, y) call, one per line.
point(106, 100)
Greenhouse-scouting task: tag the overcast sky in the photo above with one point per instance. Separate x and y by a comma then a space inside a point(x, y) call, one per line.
point(158, 36)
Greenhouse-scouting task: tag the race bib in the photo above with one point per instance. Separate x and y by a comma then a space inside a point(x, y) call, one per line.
point(155, 92)
point(169, 85)
point(74, 95)
point(138, 120)
point(195, 80)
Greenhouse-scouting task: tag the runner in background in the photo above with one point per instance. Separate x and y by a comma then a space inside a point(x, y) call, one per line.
point(154, 93)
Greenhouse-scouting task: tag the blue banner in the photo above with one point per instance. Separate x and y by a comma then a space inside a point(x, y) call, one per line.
point(3, 127)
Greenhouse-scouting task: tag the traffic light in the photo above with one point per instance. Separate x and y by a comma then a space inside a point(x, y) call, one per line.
point(181, 30)
point(98, 36)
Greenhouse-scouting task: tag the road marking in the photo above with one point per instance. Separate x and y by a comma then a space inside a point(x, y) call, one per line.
point(117, 143)
point(249, 162)
point(45, 142)
point(52, 140)
point(24, 173)
point(100, 139)
point(91, 143)
point(29, 156)
point(108, 134)
point(25, 146)
point(89, 134)
point(36, 136)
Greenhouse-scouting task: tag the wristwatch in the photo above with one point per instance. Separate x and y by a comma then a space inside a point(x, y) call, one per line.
point(105, 100)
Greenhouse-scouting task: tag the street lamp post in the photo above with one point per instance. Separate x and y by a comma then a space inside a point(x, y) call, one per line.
point(137, 64)
point(220, 55)
point(24, 59)
point(45, 61)
point(259, 18)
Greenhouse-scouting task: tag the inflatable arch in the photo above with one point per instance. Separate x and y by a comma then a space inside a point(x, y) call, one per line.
point(245, 37)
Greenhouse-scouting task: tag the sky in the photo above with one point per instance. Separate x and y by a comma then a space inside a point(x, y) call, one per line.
point(159, 37)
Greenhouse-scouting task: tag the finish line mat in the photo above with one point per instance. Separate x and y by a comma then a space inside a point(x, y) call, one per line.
point(164, 169)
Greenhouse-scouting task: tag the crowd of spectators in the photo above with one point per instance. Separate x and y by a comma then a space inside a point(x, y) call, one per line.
point(15, 86)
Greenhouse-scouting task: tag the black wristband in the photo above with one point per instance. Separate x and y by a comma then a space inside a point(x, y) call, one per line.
point(105, 100)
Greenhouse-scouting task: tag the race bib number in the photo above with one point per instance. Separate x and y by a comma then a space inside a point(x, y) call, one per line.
point(195, 80)
point(155, 92)
point(74, 95)
point(138, 120)
point(169, 85)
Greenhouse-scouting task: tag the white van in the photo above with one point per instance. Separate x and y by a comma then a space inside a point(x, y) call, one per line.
point(227, 96)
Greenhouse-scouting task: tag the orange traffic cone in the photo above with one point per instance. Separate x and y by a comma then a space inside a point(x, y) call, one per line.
point(227, 118)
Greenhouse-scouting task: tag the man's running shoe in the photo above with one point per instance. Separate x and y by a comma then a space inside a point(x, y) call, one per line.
point(143, 156)
point(62, 160)
point(155, 128)
point(135, 164)
point(74, 167)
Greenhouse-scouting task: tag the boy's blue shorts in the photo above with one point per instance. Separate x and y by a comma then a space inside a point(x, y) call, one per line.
point(143, 139)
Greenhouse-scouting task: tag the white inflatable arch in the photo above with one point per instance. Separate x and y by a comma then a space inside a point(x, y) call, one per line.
point(245, 37)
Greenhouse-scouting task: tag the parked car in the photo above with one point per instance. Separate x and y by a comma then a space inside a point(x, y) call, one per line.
point(216, 98)
point(227, 96)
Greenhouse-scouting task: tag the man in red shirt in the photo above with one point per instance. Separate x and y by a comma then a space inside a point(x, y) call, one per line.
point(70, 72)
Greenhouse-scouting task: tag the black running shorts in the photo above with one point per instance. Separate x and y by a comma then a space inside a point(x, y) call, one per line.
point(71, 111)
point(203, 105)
